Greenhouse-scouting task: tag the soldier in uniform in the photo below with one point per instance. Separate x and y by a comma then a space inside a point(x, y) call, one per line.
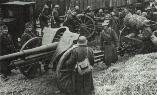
point(77, 10)
point(109, 43)
point(148, 46)
point(6, 47)
point(28, 33)
point(115, 23)
point(150, 14)
point(83, 83)
point(139, 12)
point(144, 14)
point(100, 16)
point(55, 14)
point(45, 15)
point(71, 21)
point(100, 13)
point(89, 11)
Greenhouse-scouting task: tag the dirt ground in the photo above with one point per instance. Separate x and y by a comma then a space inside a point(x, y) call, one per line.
point(43, 85)
point(20, 85)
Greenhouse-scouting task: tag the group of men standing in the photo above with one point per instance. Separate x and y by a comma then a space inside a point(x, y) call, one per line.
point(109, 44)
point(49, 15)
point(83, 83)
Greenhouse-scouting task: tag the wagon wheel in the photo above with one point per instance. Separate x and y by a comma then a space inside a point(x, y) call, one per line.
point(65, 74)
point(82, 24)
point(32, 70)
point(128, 44)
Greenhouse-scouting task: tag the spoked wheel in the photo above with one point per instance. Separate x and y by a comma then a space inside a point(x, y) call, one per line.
point(65, 74)
point(31, 70)
point(82, 24)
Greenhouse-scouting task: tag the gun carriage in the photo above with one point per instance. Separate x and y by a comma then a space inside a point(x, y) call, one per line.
point(53, 50)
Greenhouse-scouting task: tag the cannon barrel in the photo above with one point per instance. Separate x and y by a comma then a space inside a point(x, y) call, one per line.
point(24, 53)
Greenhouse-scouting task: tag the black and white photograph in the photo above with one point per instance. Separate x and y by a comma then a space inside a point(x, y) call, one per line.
point(78, 47)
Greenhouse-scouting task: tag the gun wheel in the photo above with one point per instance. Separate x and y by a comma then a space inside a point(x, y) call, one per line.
point(65, 75)
point(81, 24)
point(34, 69)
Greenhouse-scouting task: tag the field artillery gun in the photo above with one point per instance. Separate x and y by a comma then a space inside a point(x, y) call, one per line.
point(29, 59)
point(40, 50)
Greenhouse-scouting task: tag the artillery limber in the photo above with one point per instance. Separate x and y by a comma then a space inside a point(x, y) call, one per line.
point(131, 34)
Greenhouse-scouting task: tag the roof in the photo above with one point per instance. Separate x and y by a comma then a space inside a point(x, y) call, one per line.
point(18, 3)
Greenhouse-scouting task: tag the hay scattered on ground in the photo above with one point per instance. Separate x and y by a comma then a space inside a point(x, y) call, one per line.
point(137, 76)
point(20, 85)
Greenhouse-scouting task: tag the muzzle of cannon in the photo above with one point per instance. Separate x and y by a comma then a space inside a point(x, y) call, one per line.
point(34, 51)
point(48, 43)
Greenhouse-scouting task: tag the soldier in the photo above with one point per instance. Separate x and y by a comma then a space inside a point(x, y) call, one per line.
point(89, 11)
point(45, 15)
point(6, 47)
point(55, 15)
point(150, 14)
point(144, 14)
point(83, 82)
point(100, 13)
point(71, 21)
point(139, 12)
point(109, 43)
point(115, 23)
point(100, 16)
point(28, 33)
point(77, 10)
point(148, 46)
